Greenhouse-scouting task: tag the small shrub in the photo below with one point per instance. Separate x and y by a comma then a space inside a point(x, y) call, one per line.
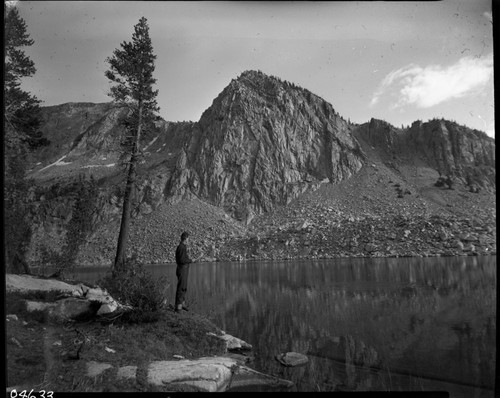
point(450, 182)
point(137, 287)
point(440, 182)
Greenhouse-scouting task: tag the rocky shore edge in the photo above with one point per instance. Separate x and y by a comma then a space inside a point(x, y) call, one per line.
point(226, 371)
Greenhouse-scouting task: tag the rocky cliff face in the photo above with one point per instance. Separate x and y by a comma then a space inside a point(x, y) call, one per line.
point(79, 129)
point(261, 144)
point(445, 146)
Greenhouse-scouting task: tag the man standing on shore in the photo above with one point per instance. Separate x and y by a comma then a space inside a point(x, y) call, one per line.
point(182, 259)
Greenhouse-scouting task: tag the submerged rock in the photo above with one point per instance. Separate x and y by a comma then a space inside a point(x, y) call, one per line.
point(292, 359)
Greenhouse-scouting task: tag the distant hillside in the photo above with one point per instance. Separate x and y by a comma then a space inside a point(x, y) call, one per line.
point(447, 147)
point(265, 157)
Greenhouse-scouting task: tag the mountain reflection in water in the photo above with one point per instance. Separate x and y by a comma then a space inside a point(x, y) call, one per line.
point(365, 324)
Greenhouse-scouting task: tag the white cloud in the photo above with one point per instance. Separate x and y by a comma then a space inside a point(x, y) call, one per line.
point(431, 85)
point(490, 130)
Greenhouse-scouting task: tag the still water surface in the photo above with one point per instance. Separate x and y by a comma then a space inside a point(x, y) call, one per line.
point(365, 324)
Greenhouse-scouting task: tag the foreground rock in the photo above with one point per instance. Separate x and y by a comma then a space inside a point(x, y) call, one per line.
point(208, 374)
point(65, 309)
point(292, 359)
point(205, 374)
point(72, 302)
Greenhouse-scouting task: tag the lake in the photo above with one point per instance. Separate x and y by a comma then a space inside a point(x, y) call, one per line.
point(411, 324)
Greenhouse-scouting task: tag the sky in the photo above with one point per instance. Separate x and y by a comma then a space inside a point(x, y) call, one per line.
point(396, 61)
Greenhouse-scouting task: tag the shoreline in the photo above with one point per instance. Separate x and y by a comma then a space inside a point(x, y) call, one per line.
point(92, 266)
point(148, 354)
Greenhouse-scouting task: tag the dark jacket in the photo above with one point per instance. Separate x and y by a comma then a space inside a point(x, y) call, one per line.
point(181, 255)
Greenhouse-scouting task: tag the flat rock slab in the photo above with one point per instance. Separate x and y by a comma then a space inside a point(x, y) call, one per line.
point(27, 282)
point(292, 359)
point(94, 369)
point(211, 374)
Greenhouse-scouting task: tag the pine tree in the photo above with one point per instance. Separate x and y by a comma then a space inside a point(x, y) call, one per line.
point(131, 72)
point(21, 108)
point(21, 122)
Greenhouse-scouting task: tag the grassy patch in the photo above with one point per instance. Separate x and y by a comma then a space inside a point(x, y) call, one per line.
point(24, 353)
point(171, 334)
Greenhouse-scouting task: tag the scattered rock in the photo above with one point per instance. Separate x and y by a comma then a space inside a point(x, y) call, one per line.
point(178, 357)
point(292, 359)
point(106, 309)
point(94, 369)
point(127, 372)
point(12, 317)
point(470, 248)
point(16, 342)
point(370, 247)
point(458, 245)
point(232, 343)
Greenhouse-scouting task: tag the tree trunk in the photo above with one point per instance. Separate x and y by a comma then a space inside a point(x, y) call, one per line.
point(127, 198)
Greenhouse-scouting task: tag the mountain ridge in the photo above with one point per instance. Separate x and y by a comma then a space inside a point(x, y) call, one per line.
point(261, 146)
